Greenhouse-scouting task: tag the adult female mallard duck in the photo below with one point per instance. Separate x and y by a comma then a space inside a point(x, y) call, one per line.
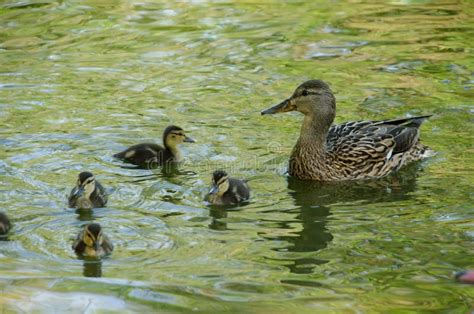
point(4, 224)
point(349, 151)
point(227, 191)
point(91, 241)
point(150, 155)
point(88, 193)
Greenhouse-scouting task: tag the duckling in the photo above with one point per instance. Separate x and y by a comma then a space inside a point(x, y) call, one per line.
point(150, 155)
point(227, 191)
point(88, 193)
point(349, 151)
point(4, 224)
point(92, 242)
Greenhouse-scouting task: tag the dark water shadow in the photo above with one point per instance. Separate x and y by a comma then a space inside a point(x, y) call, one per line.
point(167, 173)
point(92, 267)
point(218, 212)
point(313, 202)
point(167, 169)
point(85, 215)
point(216, 215)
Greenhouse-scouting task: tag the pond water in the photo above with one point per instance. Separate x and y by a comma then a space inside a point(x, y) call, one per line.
point(81, 80)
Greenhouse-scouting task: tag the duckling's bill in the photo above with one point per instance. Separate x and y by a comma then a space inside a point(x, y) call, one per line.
point(214, 189)
point(80, 192)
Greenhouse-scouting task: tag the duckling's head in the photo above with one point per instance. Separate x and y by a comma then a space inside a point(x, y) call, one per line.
point(219, 183)
point(174, 135)
point(312, 98)
point(92, 236)
point(85, 184)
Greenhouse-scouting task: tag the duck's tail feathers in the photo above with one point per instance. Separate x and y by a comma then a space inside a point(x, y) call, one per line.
point(408, 122)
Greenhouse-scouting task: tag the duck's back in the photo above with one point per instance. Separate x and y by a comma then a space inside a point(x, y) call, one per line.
point(367, 149)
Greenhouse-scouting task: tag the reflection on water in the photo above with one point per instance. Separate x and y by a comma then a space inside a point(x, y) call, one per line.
point(217, 214)
point(86, 214)
point(313, 201)
point(92, 267)
point(392, 188)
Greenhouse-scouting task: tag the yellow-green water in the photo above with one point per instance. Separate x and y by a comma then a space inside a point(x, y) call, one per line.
point(81, 80)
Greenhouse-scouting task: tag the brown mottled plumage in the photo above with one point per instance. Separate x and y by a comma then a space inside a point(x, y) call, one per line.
point(353, 150)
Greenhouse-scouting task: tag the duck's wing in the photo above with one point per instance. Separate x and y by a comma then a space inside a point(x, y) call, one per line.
point(363, 146)
point(336, 132)
point(404, 132)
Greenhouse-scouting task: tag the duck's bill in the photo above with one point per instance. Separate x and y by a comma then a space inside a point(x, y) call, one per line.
point(284, 106)
point(189, 140)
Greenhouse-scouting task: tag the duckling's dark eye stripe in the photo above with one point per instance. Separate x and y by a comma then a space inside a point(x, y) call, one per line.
point(90, 234)
point(89, 181)
point(221, 180)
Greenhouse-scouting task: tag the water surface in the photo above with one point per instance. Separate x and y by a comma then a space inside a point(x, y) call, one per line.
point(81, 80)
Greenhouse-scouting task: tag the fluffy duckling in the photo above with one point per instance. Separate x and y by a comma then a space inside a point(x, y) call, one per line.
point(150, 155)
point(88, 193)
point(4, 224)
point(92, 242)
point(227, 191)
point(349, 151)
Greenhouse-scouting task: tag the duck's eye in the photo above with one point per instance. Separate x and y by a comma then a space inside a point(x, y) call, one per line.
point(305, 92)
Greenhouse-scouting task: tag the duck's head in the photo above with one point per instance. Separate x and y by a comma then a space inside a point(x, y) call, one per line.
point(92, 236)
point(4, 223)
point(312, 98)
point(174, 135)
point(219, 183)
point(85, 184)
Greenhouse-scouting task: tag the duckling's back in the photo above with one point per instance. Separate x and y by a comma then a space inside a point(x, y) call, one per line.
point(144, 154)
point(239, 191)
